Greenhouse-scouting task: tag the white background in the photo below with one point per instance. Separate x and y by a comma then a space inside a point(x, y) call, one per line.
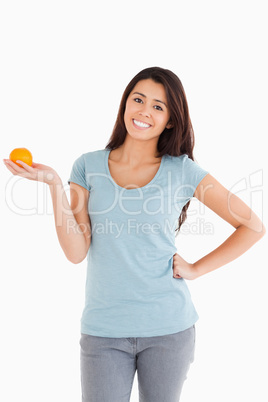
point(64, 66)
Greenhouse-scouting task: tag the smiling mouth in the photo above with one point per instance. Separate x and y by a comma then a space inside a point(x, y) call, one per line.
point(140, 124)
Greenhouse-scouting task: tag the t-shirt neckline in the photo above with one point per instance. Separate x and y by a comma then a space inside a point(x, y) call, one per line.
point(137, 188)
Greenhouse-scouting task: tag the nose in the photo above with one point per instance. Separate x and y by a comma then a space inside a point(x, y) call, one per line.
point(145, 112)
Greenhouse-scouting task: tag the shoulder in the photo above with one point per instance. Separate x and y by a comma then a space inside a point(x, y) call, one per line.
point(93, 154)
point(188, 170)
point(183, 161)
point(175, 160)
point(91, 157)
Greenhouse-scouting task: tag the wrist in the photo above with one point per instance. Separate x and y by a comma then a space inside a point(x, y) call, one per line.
point(196, 271)
point(52, 179)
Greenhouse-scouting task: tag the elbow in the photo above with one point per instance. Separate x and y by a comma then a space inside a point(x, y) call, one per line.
point(260, 232)
point(75, 259)
point(258, 229)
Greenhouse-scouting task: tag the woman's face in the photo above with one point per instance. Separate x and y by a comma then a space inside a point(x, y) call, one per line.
point(147, 114)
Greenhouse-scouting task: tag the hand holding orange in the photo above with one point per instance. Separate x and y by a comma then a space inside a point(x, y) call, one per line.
point(34, 171)
point(22, 154)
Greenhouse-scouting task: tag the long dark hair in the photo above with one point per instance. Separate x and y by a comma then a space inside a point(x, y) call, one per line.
point(174, 141)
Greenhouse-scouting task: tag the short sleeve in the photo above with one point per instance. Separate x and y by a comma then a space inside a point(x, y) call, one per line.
point(78, 173)
point(192, 174)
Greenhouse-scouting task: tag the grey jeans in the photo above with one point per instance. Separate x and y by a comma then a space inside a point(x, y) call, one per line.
point(108, 366)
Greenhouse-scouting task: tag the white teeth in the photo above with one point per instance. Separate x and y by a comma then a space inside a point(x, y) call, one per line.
point(140, 124)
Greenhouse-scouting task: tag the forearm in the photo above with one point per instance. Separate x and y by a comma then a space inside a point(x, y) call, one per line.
point(71, 238)
point(235, 245)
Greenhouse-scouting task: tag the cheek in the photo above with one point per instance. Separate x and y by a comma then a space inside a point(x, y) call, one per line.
point(130, 109)
point(127, 118)
point(162, 121)
point(127, 113)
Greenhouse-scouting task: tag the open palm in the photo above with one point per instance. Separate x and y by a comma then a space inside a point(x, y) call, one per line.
point(37, 171)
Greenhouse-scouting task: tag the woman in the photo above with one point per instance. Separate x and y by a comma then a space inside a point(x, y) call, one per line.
point(126, 201)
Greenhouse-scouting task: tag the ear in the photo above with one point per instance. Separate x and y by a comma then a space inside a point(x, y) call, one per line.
point(169, 125)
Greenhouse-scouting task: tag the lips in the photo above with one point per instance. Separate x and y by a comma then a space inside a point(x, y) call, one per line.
point(140, 125)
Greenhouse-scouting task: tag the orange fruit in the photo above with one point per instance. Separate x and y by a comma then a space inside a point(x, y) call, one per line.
point(22, 154)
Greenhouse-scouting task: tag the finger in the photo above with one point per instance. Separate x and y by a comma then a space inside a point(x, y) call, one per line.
point(25, 166)
point(14, 165)
point(9, 164)
point(15, 169)
point(14, 172)
point(10, 168)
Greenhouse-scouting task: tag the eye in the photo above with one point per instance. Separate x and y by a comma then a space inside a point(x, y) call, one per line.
point(138, 100)
point(157, 106)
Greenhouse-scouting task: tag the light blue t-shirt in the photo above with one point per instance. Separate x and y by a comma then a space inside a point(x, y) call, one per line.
point(130, 289)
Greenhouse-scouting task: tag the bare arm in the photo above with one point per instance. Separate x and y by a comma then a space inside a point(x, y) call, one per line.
point(72, 222)
point(248, 229)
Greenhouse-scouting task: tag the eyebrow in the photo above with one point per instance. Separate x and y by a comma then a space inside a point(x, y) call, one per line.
point(157, 100)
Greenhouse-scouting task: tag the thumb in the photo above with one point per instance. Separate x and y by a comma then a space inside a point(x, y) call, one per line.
point(176, 274)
